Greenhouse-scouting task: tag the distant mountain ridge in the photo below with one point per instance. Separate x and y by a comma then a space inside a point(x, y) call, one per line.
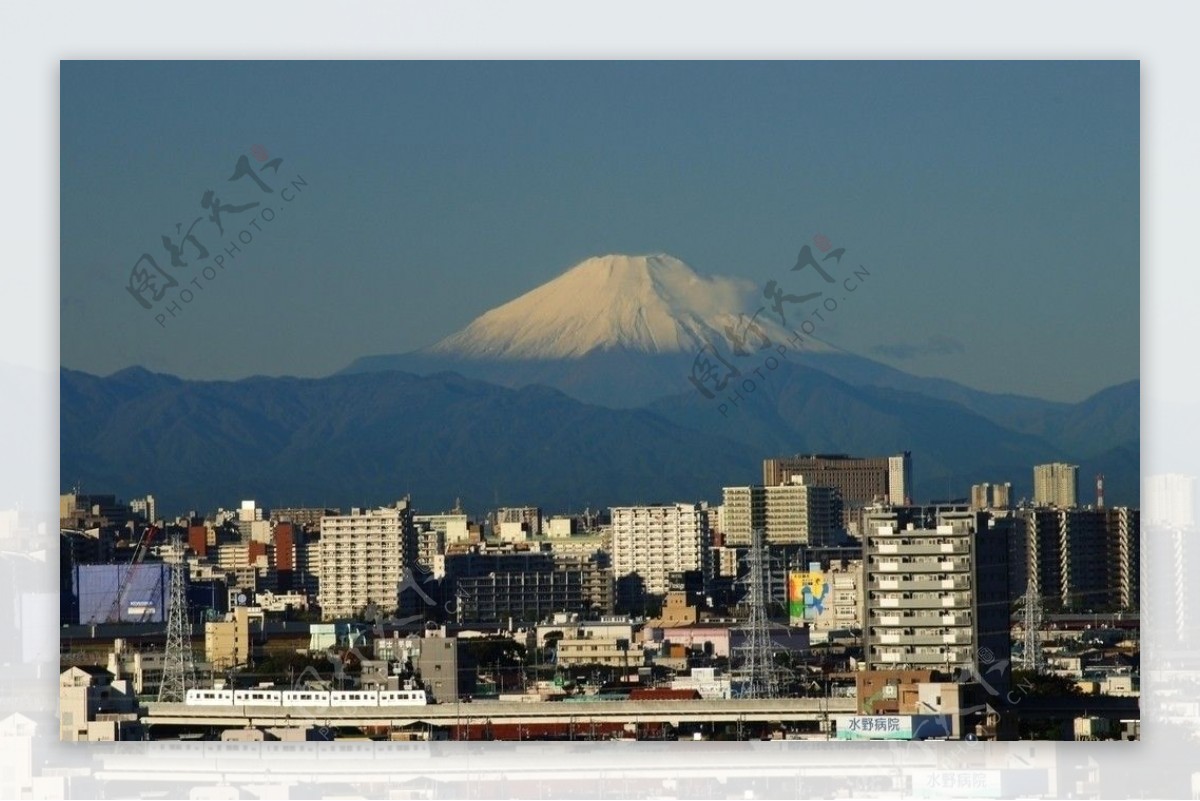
point(579, 333)
point(576, 392)
point(372, 438)
point(366, 439)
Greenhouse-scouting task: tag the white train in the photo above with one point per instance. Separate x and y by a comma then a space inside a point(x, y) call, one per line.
point(305, 698)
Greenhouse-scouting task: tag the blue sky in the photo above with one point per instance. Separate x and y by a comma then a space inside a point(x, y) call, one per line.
point(995, 203)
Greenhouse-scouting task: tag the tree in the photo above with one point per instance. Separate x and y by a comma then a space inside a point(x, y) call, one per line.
point(1043, 685)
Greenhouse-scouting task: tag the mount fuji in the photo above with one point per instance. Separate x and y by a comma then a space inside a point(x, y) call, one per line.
point(648, 304)
point(616, 330)
point(623, 331)
point(573, 394)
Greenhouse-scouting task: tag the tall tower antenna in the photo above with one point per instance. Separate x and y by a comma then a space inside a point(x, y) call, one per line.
point(757, 662)
point(179, 668)
point(1100, 491)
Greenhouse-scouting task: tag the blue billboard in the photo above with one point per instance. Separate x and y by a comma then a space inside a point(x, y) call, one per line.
point(122, 593)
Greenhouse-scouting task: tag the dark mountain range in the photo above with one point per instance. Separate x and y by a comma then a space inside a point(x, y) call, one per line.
point(369, 439)
point(575, 394)
point(624, 332)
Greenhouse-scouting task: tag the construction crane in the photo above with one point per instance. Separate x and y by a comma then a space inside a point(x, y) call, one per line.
point(139, 553)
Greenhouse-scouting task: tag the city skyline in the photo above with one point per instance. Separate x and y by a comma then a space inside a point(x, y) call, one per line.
point(981, 194)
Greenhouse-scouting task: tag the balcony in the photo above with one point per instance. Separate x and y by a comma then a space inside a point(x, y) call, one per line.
point(919, 583)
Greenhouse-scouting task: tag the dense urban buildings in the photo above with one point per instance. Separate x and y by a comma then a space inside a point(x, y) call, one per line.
point(919, 612)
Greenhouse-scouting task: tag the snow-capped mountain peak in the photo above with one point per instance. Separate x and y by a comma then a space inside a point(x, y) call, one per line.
point(652, 304)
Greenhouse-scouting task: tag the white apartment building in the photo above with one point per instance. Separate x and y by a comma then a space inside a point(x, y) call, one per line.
point(363, 556)
point(651, 542)
point(900, 479)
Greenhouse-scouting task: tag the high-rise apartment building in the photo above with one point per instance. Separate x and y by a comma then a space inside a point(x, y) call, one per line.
point(362, 559)
point(936, 598)
point(1056, 484)
point(1078, 559)
point(794, 513)
point(900, 478)
point(990, 496)
point(651, 542)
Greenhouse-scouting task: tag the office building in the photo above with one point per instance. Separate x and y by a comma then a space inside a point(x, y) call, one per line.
point(93, 707)
point(451, 527)
point(1056, 484)
point(363, 557)
point(859, 480)
point(146, 508)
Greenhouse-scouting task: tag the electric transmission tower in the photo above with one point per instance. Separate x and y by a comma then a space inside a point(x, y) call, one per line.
point(1031, 631)
point(757, 663)
point(179, 669)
